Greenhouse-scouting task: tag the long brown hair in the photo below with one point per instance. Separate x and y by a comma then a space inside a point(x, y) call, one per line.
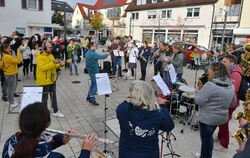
point(33, 120)
point(220, 71)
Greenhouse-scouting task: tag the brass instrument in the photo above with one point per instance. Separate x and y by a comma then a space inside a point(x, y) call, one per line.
point(245, 60)
point(246, 115)
point(203, 80)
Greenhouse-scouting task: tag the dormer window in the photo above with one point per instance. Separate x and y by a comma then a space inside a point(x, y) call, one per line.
point(2, 3)
point(32, 4)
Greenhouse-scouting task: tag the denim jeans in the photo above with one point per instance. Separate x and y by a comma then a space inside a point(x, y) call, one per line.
point(117, 61)
point(55, 155)
point(207, 141)
point(74, 61)
point(9, 88)
point(92, 88)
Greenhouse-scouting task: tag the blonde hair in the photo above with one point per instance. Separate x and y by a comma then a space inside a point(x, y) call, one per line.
point(142, 95)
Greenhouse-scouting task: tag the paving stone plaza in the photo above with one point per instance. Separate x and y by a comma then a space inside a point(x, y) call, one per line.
point(85, 118)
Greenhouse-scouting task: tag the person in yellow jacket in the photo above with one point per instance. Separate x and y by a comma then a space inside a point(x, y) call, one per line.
point(195, 55)
point(10, 69)
point(46, 76)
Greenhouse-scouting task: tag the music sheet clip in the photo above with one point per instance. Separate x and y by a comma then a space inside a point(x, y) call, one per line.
point(103, 84)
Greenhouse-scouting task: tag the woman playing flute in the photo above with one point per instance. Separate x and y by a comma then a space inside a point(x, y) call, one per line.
point(31, 141)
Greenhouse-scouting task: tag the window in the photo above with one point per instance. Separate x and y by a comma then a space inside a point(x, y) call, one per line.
point(32, 4)
point(2, 3)
point(166, 14)
point(152, 15)
point(135, 15)
point(141, 2)
point(190, 36)
point(159, 36)
point(147, 35)
point(196, 12)
point(154, 1)
point(114, 13)
point(193, 12)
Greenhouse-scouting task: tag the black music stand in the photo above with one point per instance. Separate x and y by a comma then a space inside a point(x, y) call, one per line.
point(167, 139)
point(104, 88)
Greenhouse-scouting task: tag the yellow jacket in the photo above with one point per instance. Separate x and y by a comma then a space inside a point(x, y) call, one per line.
point(193, 55)
point(9, 63)
point(46, 69)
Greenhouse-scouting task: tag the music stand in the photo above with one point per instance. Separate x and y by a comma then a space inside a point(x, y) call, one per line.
point(104, 88)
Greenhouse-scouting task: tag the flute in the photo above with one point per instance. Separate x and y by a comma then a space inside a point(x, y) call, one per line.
point(77, 135)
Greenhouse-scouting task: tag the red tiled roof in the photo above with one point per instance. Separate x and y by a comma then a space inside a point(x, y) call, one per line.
point(80, 6)
point(178, 3)
point(101, 3)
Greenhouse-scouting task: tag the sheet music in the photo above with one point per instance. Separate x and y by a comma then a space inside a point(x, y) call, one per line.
point(197, 61)
point(118, 53)
point(161, 84)
point(121, 53)
point(172, 73)
point(103, 84)
point(31, 95)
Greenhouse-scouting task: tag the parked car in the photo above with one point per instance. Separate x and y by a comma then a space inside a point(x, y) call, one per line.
point(103, 40)
point(189, 47)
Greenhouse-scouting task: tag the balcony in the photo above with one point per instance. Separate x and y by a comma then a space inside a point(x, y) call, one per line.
point(233, 14)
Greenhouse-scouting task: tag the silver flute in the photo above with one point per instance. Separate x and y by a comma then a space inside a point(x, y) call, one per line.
point(77, 135)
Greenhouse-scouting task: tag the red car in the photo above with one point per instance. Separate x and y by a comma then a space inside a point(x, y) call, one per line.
point(189, 47)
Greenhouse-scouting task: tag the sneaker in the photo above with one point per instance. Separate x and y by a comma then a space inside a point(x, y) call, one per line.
point(4, 98)
point(77, 74)
point(216, 139)
point(71, 73)
point(94, 103)
point(16, 95)
point(58, 114)
point(13, 105)
point(197, 155)
point(131, 78)
point(219, 147)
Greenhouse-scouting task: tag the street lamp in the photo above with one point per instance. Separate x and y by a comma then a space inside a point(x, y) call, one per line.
point(224, 29)
point(64, 15)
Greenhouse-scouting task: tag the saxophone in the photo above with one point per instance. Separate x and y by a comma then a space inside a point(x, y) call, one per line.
point(239, 135)
point(245, 61)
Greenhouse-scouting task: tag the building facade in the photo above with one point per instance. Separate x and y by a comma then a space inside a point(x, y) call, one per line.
point(227, 12)
point(112, 14)
point(242, 33)
point(172, 21)
point(59, 5)
point(26, 16)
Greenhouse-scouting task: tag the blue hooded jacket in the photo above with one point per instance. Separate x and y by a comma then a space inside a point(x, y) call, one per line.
point(139, 130)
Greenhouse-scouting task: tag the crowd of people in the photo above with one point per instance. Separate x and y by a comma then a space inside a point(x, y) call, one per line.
point(142, 117)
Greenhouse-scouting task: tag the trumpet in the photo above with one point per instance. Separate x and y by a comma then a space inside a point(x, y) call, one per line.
point(77, 135)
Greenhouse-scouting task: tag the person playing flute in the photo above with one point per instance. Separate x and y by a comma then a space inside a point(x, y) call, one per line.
point(31, 141)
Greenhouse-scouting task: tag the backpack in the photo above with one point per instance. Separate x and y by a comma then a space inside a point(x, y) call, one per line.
point(244, 85)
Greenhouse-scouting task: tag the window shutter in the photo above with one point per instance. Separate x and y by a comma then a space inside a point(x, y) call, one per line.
point(24, 4)
point(40, 5)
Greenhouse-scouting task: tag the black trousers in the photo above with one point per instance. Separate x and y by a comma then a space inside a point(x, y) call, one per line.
point(50, 90)
point(143, 69)
point(34, 71)
point(157, 67)
point(26, 63)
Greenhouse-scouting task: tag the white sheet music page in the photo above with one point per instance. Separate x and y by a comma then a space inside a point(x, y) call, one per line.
point(121, 53)
point(103, 84)
point(172, 73)
point(116, 53)
point(31, 95)
point(161, 84)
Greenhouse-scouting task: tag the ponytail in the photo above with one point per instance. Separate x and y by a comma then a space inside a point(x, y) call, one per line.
point(25, 148)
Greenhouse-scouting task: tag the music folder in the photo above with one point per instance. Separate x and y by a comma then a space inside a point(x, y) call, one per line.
point(103, 84)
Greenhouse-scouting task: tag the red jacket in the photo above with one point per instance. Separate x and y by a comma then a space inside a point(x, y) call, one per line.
point(236, 76)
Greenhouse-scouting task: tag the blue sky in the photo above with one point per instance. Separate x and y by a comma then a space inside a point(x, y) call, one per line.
point(73, 2)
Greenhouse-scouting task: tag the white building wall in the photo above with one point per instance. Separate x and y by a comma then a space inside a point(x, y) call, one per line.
point(178, 21)
point(13, 16)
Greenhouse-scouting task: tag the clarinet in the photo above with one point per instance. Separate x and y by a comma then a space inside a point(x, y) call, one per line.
point(77, 135)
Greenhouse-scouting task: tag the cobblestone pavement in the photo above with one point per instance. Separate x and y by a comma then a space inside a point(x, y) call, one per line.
point(85, 118)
